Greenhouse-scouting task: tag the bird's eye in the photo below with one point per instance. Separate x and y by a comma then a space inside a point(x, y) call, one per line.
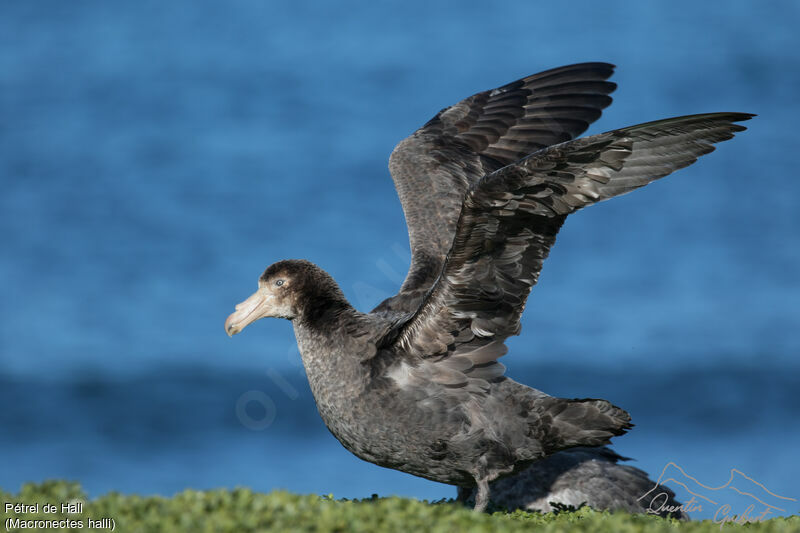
point(279, 283)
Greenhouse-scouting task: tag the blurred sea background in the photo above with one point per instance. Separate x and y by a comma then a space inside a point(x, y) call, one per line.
point(155, 157)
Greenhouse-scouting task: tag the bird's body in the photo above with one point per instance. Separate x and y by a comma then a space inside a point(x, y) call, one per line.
point(368, 394)
point(485, 186)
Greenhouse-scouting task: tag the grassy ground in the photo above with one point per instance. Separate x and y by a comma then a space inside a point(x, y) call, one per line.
point(242, 510)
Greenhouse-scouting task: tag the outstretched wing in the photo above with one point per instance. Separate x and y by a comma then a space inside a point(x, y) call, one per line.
point(435, 167)
point(508, 224)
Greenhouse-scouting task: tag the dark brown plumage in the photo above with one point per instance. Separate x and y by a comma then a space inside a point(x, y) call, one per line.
point(485, 186)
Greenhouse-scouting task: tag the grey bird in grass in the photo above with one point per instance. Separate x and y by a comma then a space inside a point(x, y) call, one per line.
point(485, 185)
point(582, 476)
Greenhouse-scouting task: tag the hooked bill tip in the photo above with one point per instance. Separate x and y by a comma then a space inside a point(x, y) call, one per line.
point(230, 328)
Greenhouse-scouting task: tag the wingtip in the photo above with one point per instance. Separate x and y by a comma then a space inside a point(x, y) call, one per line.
point(734, 118)
point(728, 119)
point(609, 68)
point(730, 116)
point(600, 70)
point(598, 64)
point(740, 117)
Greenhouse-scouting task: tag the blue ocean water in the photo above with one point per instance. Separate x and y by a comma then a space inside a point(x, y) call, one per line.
point(155, 157)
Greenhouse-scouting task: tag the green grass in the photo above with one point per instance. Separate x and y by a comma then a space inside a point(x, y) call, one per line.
point(242, 510)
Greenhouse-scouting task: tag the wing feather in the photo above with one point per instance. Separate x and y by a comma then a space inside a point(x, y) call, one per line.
point(509, 222)
point(435, 167)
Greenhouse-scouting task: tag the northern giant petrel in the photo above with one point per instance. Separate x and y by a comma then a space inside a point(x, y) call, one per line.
point(485, 185)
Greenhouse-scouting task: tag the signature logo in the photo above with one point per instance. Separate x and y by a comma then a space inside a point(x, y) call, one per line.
point(759, 503)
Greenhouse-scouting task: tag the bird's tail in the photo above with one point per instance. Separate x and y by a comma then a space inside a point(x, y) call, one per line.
point(582, 422)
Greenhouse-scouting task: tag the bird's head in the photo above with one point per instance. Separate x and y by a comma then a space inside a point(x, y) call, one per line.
point(286, 289)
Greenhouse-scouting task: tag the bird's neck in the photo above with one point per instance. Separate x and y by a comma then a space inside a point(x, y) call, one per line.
point(323, 327)
point(332, 350)
point(322, 312)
